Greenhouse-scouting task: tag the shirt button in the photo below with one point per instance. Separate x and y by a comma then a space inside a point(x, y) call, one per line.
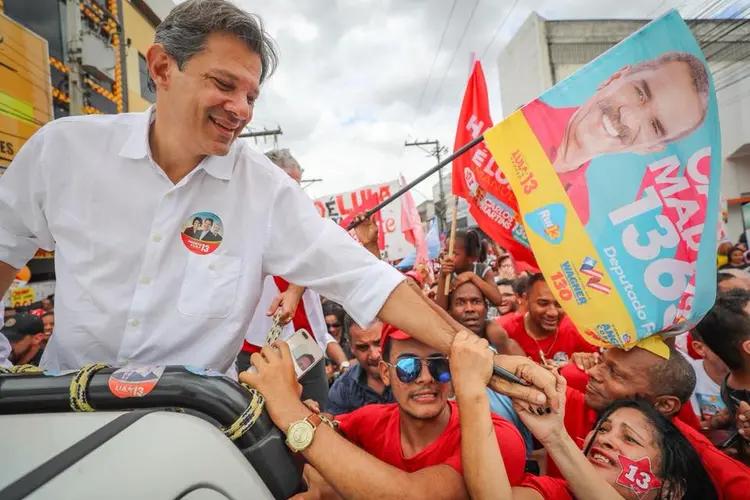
point(145, 281)
point(157, 238)
point(135, 323)
point(211, 267)
point(169, 194)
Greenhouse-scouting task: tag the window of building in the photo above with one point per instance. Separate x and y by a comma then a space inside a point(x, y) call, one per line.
point(43, 17)
point(146, 93)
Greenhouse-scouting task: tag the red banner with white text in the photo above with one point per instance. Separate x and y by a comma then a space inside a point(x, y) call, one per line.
point(478, 179)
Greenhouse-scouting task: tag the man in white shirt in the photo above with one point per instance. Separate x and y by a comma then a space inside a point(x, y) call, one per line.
point(709, 374)
point(112, 195)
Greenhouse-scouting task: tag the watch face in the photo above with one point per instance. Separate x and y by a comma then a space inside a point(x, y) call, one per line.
point(300, 435)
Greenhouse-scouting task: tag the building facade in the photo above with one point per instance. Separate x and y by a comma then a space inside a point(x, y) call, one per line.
point(140, 19)
point(544, 52)
point(115, 38)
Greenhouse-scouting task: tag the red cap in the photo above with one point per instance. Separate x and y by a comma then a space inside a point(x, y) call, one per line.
point(392, 332)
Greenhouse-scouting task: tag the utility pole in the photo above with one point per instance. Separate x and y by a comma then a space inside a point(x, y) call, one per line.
point(264, 133)
point(436, 151)
point(75, 57)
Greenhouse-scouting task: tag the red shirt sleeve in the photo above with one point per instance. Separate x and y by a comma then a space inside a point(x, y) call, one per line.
point(350, 424)
point(731, 478)
point(577, 379)
point(551, 488)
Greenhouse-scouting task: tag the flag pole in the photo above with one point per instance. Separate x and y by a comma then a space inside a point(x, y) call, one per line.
point(466, 147)
point(452, 241)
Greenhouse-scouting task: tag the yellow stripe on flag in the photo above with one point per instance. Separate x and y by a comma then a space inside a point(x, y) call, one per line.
point(602, 318)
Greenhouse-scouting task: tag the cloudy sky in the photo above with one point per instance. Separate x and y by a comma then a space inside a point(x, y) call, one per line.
point(357, 77)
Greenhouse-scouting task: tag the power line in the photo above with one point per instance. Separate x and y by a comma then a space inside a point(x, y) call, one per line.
point(499, 29)
point(434, 60)
point(453, 57)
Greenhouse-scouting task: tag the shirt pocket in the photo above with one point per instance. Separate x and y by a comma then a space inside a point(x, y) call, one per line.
point(210, 284)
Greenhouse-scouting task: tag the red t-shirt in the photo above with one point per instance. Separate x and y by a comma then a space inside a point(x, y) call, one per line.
point(557, 347)
point(549, 126)
point(377, 430)
point(551, 488)
point(731, 478)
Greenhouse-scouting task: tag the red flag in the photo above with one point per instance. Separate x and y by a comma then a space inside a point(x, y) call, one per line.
point(478, 179)
point(367, 203)
point(411, 226)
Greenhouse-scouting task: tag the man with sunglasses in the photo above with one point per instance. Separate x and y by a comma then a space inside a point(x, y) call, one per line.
point(408, 449)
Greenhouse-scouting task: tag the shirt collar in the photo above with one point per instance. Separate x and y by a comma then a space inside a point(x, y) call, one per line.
point(136, 147)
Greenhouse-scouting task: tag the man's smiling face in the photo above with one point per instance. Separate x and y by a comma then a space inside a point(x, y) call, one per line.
point(637, 110)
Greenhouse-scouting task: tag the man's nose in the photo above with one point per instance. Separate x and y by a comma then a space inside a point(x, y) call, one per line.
point(596, 373)
point(425, 377)
point(633, 115)
point(373, 353)
point(239, 108)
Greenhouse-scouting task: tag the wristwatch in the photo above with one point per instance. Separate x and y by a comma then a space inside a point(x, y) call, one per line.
point(300, 434)
point(344, 366)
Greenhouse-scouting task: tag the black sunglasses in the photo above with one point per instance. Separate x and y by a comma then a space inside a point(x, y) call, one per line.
point(333, 325)
point(409, 368)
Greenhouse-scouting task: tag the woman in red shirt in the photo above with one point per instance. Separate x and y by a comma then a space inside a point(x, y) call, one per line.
point(633, 452)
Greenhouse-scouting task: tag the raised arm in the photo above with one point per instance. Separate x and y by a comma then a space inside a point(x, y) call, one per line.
point(471, 368)
point(549, 429)
point(325, 258)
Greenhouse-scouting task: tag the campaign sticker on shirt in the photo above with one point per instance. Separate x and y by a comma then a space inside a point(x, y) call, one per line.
point(202, 371)
point(134, 382)
point(560, 357)
point(202, 232)
point(710, 404)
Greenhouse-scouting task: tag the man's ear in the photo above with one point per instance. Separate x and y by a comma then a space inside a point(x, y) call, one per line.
point(160, 65)
point(668, 406)
point(614, 76)
point(745, 347)
point(700, 348)
point(385, 374)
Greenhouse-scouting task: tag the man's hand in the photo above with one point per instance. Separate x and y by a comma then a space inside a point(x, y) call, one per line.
point(742, 420)
point(446, 265)
point(585, 360)
point(543, 390)
point(471, 363)
point(718, 421)
point(317, 487)
point(366, 230)
point(286, 303)
point(463, 278)
point(274, 378)
point(545, 426)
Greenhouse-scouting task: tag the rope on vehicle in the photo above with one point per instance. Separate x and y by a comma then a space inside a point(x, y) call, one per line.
point(248, 417)
point(251, 414)
point(79, 387)
point(21, 369)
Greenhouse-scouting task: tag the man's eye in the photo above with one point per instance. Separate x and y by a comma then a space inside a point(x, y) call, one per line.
point(222, 85)
point(641, 95)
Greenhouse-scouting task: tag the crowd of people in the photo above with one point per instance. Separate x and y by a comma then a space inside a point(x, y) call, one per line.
point(404, 400)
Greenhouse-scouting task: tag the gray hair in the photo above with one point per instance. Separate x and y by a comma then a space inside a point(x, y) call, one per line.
point(184, 31)
point(283, 159)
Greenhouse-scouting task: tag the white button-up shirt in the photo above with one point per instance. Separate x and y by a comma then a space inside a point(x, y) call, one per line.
point(132, 287)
